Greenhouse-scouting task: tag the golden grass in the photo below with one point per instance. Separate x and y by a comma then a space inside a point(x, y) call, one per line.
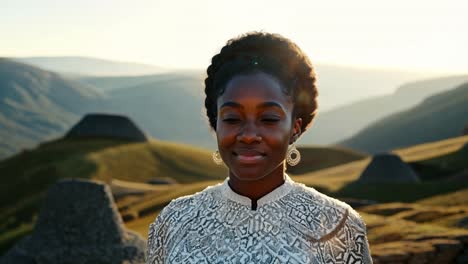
point(459, 197)
point(141, 225)
point(446, 216)
point(144, 161)
point(333, 179)
point(132, 164)
point(431, 150)
point(156, 201)
point(385, 229)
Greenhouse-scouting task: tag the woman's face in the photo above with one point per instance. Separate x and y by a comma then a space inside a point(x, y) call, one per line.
point(254, 126)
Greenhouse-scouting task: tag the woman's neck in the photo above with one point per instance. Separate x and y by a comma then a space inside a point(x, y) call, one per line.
point(258, 188)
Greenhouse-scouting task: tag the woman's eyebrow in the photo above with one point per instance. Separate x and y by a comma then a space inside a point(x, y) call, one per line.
point(231, 104)
point(262, 105)
point(270, 104)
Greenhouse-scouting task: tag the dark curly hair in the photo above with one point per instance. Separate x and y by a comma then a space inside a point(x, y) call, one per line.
point(269, 53)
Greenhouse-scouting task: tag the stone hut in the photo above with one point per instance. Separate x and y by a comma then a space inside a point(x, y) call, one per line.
point(79, 223)
point(106, 125)
point(388, 168)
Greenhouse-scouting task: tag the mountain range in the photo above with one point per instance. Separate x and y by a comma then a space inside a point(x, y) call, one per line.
point(439, 116)
point(86, 66)
point(343, 122)
point(37, 105)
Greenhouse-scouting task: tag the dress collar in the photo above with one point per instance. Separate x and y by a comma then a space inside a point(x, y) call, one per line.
point(272, 196)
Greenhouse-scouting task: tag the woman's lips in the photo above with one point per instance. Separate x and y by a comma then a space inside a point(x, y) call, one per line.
point(249, 156)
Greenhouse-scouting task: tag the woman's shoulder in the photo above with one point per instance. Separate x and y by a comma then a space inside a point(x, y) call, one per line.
point(188, 202)
point(311, 196)
point(323, 215)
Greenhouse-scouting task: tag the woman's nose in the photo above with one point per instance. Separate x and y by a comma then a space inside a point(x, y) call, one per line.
point(249, 134)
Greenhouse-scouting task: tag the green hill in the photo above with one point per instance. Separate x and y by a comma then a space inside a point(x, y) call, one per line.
point(417, 227)
point(445, 157)
point(36, 105)
point(438, 117)
point(26, 176)
point(31, 172)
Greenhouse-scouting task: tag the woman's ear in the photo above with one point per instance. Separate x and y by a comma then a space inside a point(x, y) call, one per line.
point(296, 130)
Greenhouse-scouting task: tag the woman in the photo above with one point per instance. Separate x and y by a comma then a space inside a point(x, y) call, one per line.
point(260, 97)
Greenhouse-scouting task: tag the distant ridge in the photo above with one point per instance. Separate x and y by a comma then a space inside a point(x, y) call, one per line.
point(87, 66)
point(37, 105)
point(438, 117)
point(346, 121)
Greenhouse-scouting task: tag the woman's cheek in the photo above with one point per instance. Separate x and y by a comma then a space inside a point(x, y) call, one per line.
point(225, 136)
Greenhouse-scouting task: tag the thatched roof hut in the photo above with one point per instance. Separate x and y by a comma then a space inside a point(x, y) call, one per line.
point(107, 125)
point(388, 168)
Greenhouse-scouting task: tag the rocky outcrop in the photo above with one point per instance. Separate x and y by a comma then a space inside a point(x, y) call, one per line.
point(107, 126)
point(388, 168)
point(79, 223)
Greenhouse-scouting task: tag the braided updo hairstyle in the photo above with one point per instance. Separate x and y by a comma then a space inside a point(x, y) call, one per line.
point(268, 53)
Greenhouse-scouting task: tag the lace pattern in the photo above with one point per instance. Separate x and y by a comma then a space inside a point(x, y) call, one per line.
point(293, 224)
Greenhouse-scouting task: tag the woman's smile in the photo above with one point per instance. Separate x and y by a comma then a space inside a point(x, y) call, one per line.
point(249, 156)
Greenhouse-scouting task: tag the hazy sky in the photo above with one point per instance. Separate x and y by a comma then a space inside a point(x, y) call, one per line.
point(406, 34)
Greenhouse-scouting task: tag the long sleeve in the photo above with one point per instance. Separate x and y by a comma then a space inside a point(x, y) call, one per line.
point(157, 234)
point(346, 244)
point(356, 229)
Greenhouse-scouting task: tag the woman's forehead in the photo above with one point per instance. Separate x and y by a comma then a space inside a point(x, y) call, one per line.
point(259, 88)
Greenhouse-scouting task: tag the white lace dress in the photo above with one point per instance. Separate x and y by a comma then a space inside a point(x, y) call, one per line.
point(291, 224)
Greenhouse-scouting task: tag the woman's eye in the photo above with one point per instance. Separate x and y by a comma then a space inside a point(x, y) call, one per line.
point(230, 120)
point(270, 120)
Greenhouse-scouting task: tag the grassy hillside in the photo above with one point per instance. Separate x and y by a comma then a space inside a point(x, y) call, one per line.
point(345, 121)
point(438, 117)
point(127, 166)
point(445, 156)
point(402, 229)
point(36, 105)
point(26, 177)
point(102, 159)
point(457, 198)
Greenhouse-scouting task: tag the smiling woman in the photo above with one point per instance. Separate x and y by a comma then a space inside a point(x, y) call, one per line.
point(260, 98)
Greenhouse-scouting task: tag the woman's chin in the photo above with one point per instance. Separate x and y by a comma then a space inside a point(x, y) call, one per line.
point(248, 174)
